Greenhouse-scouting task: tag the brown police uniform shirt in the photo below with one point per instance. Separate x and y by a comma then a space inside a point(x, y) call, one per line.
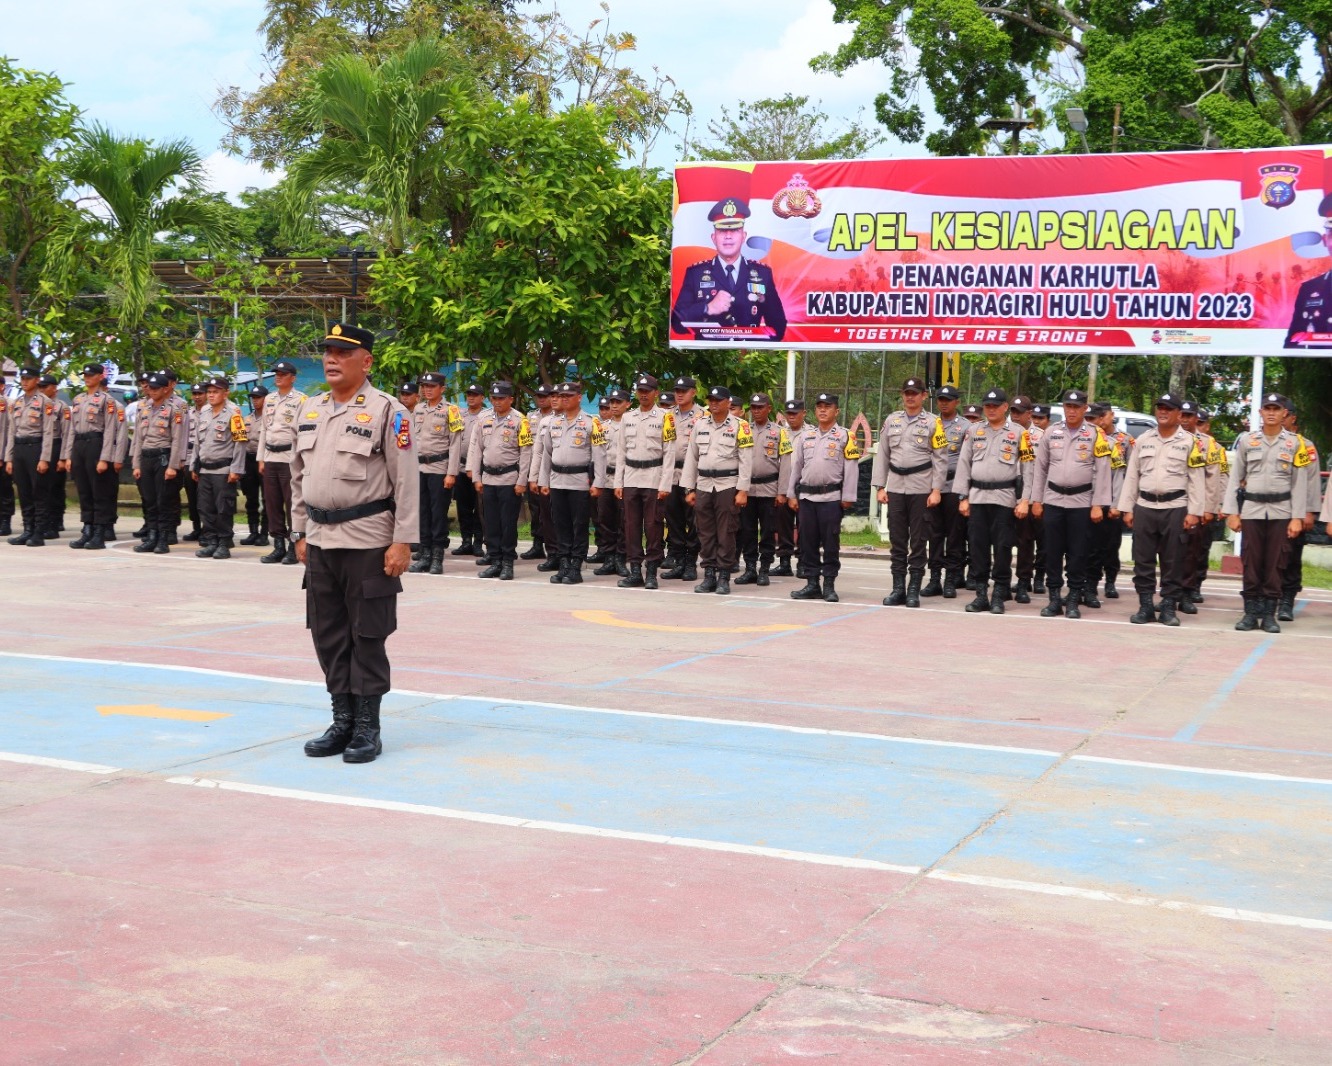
point(160, 425)
point(684, 428)
point(613, 430)
point(994, 467)
point(573, 452)
point(645, 450)
point(96, 412)
point(500, 450)
point(1160, 466)
point(913, 454)
point(439, 431)
point(1275, 474)
point(825, 467)
point(720, 456)
point(955, 431)
point(360, 453)
point(277, 435)
point(770, 468)
point(1068, 459)
point(34, 417)
point(219, 438)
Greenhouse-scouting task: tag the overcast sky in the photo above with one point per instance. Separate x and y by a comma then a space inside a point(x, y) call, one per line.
point(154, 68)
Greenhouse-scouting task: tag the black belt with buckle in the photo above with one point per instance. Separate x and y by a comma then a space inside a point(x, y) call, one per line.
point(90, 435)
point(909, 470)
point(214, 464)
point(994, 486)
point(1162, 497)
point(763, 479)
point(279, 447)
point(499, 471)
point(1069, 490)
point(643, 464)
point(718, 473)
point(587, 469)
point(814, 490)
point(1265, 497)
point(150, 453)
point(28, 442)
point(339, 515)
point(423, 459)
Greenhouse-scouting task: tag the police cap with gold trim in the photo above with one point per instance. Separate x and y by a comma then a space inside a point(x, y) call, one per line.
point(347, 337)
point(729, 214)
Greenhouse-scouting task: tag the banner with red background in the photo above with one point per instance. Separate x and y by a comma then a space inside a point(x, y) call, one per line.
point(1197, 253)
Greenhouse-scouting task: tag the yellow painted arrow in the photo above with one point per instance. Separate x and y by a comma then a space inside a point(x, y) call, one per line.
point(152, 710)
point(606, 618)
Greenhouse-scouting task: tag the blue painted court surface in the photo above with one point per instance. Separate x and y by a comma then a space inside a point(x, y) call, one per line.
point(1232, 841)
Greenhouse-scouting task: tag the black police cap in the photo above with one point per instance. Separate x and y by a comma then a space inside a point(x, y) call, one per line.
point(948, 393)
point(283, 366)
point(258, 392)
point(348, 337)
point(793, 406)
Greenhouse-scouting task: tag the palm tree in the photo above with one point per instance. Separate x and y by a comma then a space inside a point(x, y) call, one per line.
point(141, 189)
point(382, 127)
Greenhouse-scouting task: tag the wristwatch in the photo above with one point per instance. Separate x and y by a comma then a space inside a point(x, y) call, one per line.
point(294, 537)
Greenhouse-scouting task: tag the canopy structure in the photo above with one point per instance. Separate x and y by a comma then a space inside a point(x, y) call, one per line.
point(329, 283)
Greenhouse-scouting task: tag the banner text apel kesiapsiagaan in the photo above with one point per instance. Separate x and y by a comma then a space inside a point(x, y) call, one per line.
point(1198, 253)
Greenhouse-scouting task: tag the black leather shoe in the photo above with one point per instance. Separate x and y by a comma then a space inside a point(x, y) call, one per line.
point(338, 735)
point(493, 570)
point(465, 548)
point(536, 551)
point(812, 590)
point(783, 568)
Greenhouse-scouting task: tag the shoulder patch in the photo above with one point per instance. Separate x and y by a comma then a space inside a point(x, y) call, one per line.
point(667, 428)
point(744, 436)
point(783, 442)
point(851, 450)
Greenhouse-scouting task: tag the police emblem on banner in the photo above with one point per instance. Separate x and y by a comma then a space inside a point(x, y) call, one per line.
point(1278, 184)
point(797, 200)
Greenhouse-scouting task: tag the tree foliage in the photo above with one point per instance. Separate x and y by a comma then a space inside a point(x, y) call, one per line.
point(36, 125)
point(139, 190)
point(381, 130)
point(1183, 73)
point(785, 128)
point(562, 269)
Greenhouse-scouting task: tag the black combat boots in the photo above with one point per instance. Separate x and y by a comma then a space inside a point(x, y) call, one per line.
point(337, 736)
point(365, 743)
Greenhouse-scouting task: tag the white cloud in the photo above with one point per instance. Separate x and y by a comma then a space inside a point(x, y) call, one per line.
point(230, 175)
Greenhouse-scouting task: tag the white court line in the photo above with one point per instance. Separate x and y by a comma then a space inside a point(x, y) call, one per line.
point(553, 827)
point(775, 727)
point(59, 764)
point(814, 858)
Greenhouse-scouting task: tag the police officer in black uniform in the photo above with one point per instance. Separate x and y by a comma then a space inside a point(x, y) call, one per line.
point(1311, 320)
point(729, 290)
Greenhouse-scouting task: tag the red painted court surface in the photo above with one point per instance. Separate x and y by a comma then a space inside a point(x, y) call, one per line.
point(619, 827)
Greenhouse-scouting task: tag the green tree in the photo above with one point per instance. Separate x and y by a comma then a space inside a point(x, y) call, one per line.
point(382, 131)
point(564, 264)
point(36, 125)
point(139, 189)
point(785, 128)
point(1183, 73)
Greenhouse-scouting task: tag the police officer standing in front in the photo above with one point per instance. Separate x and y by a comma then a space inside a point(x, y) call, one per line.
point(993, 475)
point(498, 456)
point(355, 495)
point(219, 464)
point(825, 475)
point(909, 473)
point(572, 450)
point(1070, 491)
point(1164, 494)
point(1278, 472)
point(716, 484)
